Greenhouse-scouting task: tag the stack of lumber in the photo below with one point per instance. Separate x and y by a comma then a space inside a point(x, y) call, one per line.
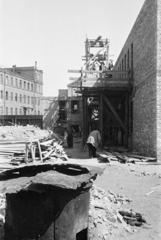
point(23, 152)
point(9, 150)
point(124, 157)
point(52, 149)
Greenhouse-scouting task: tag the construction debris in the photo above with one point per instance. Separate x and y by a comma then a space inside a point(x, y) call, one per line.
point(106, 221)
point(132, 218)
point(123, 157)
point(23, 145)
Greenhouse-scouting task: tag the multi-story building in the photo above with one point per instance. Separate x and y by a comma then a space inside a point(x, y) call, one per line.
point(21, 89)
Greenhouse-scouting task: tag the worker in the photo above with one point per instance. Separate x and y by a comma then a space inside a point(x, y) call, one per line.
point(69, 136)
point(93, 141)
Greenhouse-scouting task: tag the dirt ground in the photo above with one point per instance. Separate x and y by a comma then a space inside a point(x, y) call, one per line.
point(141, 183)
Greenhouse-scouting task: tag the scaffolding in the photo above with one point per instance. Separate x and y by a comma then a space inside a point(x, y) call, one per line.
point(106, 94)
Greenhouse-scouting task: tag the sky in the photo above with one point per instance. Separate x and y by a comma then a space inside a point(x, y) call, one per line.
point(53, 32)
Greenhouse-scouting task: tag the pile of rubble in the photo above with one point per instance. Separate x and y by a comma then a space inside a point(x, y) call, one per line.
point(26, 144)
point(124, 157)
point(106, 221)
point(18, 132)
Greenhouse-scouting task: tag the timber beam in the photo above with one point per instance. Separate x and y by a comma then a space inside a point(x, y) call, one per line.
point(115, 114)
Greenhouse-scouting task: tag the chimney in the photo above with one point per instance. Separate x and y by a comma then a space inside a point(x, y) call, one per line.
point(35, 64)
point(13, 68)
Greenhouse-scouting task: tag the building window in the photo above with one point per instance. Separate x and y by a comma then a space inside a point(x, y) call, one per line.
point(16, 97)
point(16, 82)
point(28, 100)
point(11, 111)
point(11, 96)
point(62, 110)
point(20, 98)
point(1, 94)
point(20, 111)
point(6, 80)
point(125, 63)
point(11, 81)
point(74, 106)
point(6, 95)
point(15, 111)
point(28, 86)
point(128, 59)
point(6, 110)
point(32, 87)
point(122, 64)
point(24, 85)
point(1, 80)
point(20, 84)
point(24, 98)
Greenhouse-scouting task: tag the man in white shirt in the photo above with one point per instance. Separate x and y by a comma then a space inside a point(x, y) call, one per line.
point(93, 141)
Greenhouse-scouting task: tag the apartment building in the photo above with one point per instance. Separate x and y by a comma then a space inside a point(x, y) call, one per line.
point(21, 89)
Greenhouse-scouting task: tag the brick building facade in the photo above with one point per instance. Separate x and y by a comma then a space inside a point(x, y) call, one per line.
point(141, 54)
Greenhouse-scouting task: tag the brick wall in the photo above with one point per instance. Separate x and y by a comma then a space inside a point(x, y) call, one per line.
point(143, 39)
point(159, 80)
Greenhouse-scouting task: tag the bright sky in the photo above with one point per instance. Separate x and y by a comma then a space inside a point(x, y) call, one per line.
point(52, 32)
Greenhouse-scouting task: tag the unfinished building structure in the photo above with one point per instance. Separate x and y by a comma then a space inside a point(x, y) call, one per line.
point(126, 99)
point(105, 95)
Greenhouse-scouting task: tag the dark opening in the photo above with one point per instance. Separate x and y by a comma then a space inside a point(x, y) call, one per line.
point(82, 235)
point(74, 106)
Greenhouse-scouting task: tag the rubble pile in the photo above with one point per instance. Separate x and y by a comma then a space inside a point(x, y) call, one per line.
point(124, 157)
point(17, 132)
point(26, 144)
point(106, 220)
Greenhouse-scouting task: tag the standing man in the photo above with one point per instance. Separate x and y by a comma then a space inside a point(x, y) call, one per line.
point(69, 136)
point(93, 141)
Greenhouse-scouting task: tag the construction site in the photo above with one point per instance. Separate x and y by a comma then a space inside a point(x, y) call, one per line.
point(53, 184)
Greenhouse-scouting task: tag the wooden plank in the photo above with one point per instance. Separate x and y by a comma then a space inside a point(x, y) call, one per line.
point(101, 117)
point(110, 106)
point(40, 153)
